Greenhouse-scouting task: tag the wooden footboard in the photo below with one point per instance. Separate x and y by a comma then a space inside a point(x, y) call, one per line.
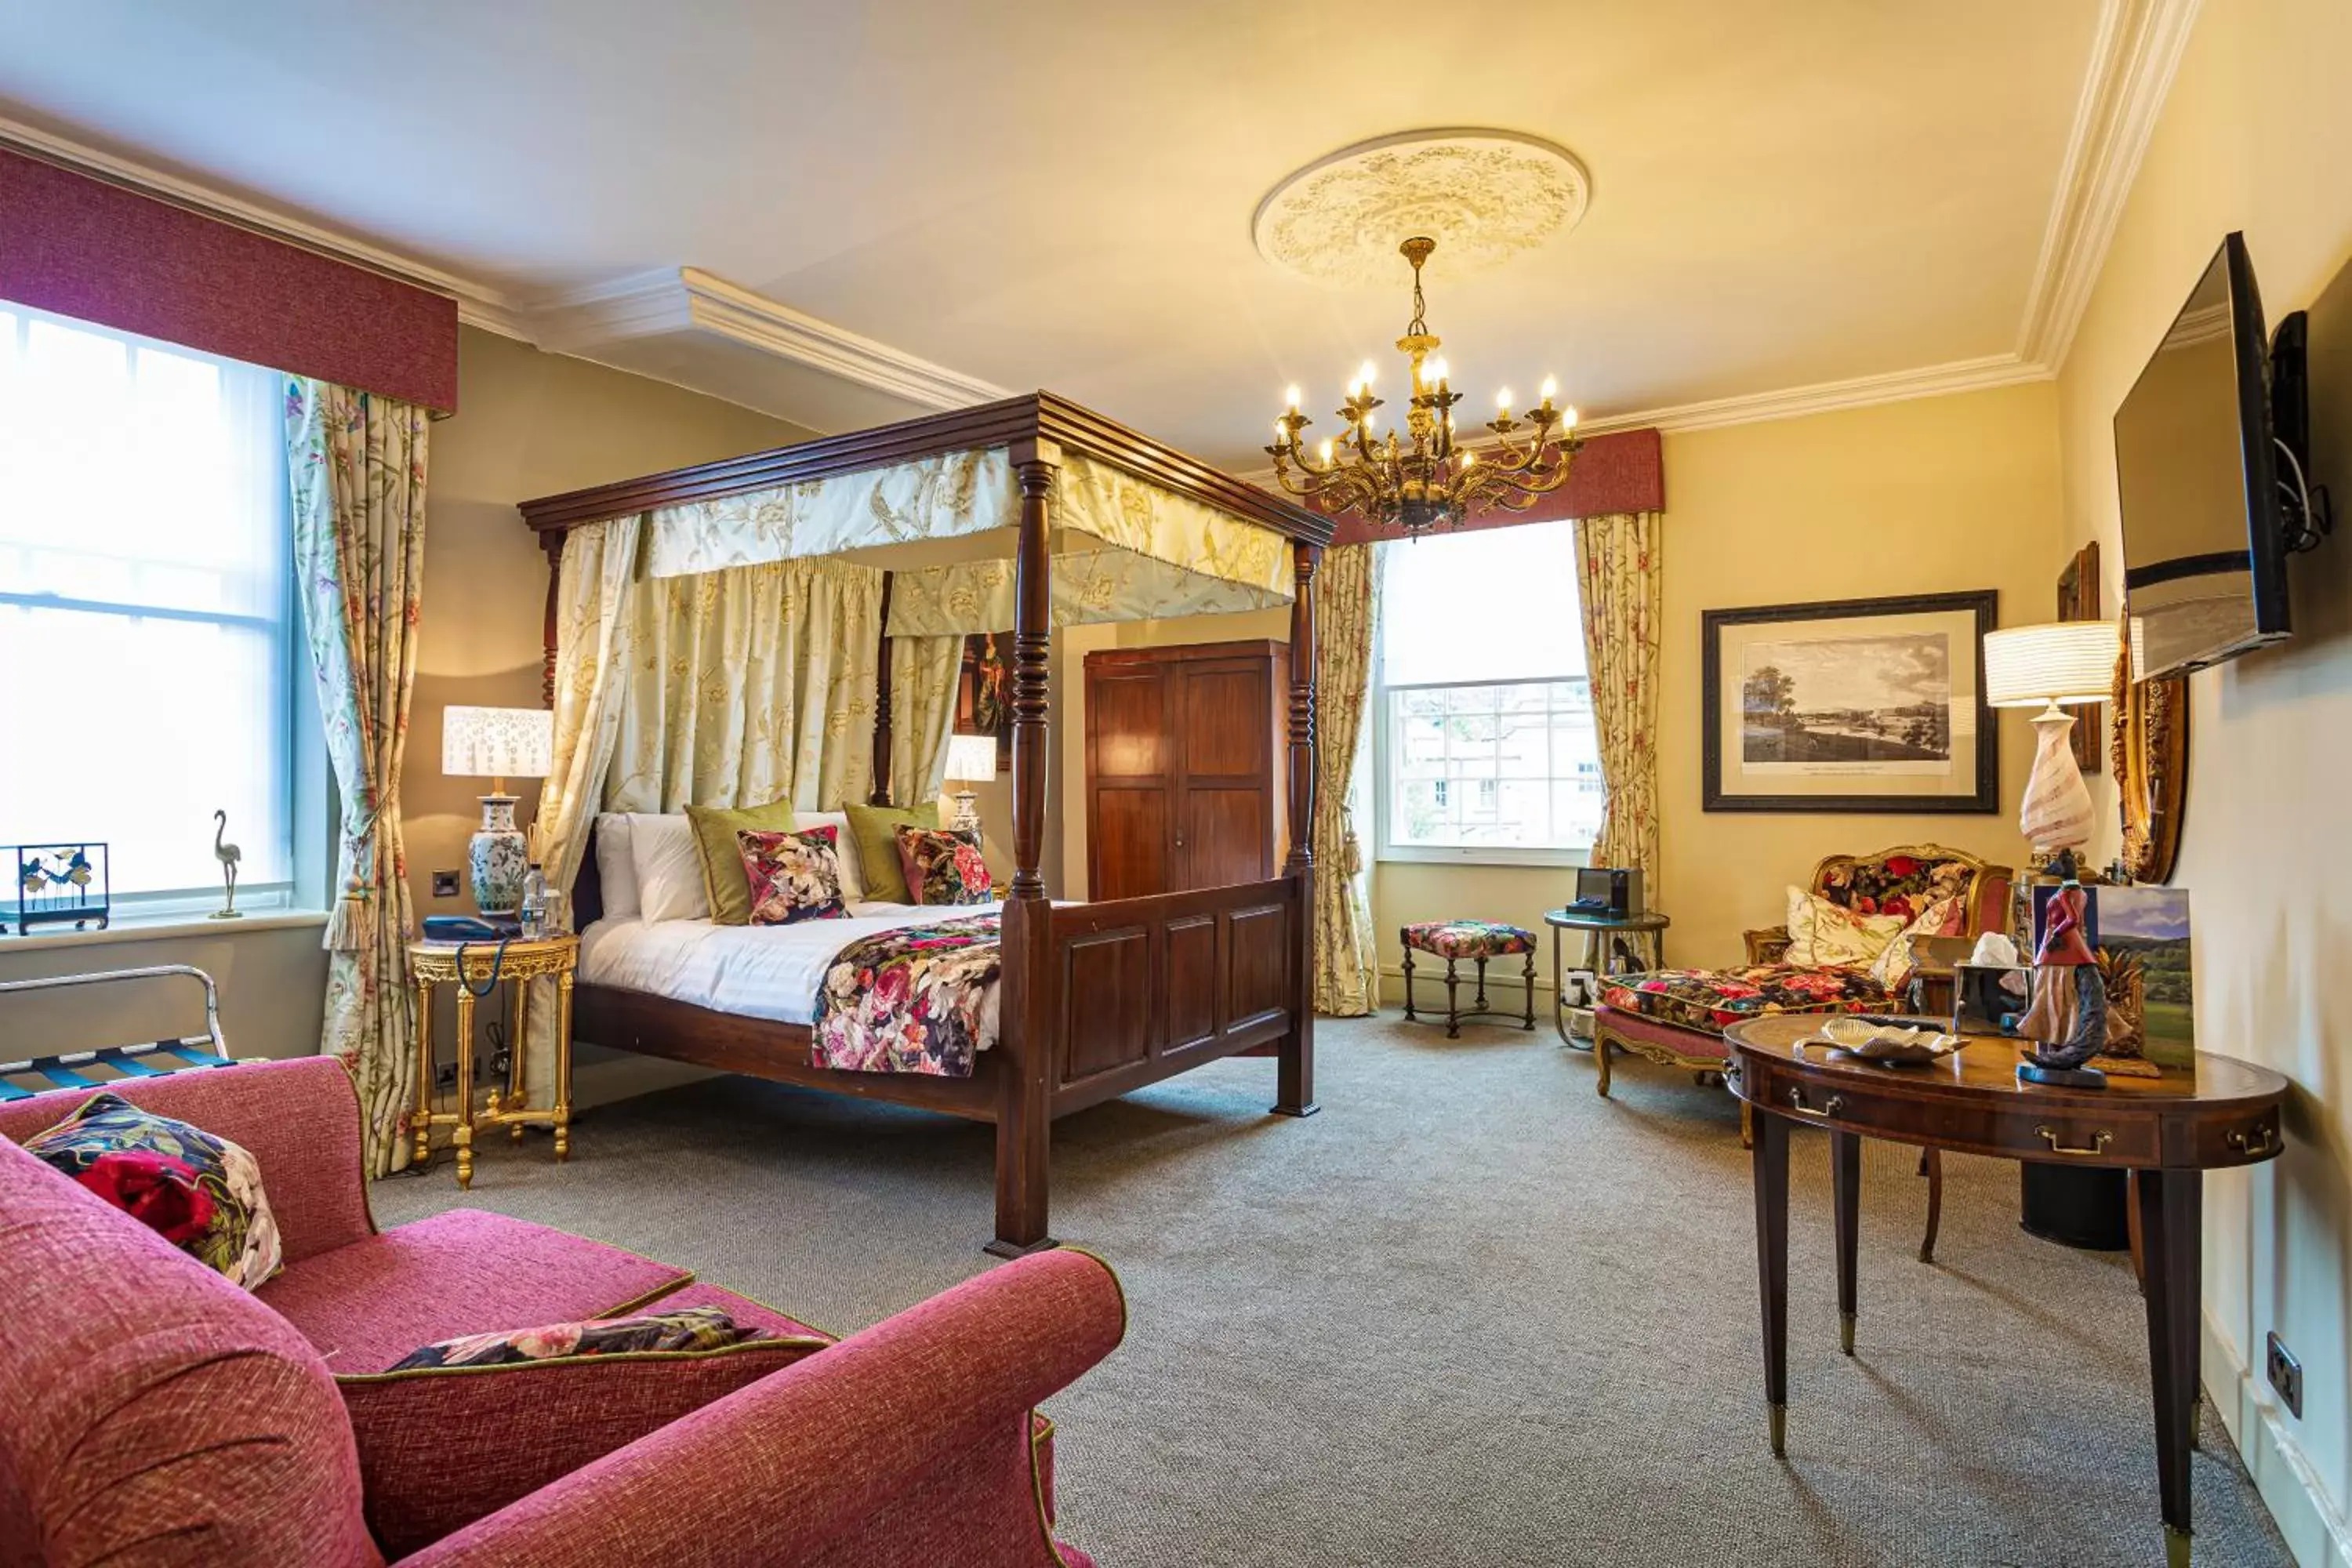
point(1145, 988)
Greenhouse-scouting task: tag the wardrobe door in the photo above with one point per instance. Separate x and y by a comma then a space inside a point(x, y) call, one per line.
point(1223, 725)
point(1130, 771)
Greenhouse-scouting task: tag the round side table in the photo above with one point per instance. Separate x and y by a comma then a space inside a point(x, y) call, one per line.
point(1601, 929)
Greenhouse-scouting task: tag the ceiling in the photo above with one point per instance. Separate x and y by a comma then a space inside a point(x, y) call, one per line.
point(1058, 193)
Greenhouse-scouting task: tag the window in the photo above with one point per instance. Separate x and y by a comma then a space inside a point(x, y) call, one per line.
point(1484, 721)
point(146, 612)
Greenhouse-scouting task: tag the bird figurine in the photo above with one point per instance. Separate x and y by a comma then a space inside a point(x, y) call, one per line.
point(228, 855)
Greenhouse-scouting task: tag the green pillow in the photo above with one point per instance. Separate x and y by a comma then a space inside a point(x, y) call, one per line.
point(876, 828)
point(723, 881)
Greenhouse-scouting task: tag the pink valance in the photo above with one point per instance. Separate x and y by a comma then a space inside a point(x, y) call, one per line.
point(104, 253)
point(1624, 471)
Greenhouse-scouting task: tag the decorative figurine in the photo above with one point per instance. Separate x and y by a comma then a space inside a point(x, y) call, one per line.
point(228, 855)
point(2069, 1012)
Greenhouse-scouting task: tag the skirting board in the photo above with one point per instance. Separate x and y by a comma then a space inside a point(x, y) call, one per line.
point(2315, 1532)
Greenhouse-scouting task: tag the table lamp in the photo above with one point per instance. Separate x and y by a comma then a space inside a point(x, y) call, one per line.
point(2053, 666)
point(497, 744)
point(972, 758)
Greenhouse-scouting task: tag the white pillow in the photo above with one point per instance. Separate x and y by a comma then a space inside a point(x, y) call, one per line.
point(616, 871)
point(853, 876)
point(669, 867)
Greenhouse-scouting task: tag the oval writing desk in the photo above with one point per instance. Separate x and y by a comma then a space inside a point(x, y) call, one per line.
point(2168, 1131)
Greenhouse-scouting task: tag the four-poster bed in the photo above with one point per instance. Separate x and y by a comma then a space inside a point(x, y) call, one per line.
point(1097, 999)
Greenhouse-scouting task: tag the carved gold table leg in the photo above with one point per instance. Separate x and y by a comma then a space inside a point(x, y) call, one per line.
point(563, 1066)
point(422, 1154)
point(465, 1133)
point(518, 1096)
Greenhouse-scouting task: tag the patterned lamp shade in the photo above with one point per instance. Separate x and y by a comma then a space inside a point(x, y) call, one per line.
point(496, 743)
point(971, 757)
point(2065, 662)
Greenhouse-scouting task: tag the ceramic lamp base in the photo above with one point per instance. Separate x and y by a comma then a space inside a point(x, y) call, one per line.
point(497, 857)
point(2056, 812)
point(967, 814)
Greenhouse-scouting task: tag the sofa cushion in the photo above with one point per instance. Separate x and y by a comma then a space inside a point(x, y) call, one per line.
point(1825, 936)
point(666, 1329)
point(200, 1193)
point(1466, 939)
point(1896, 884)
point(436, 1445)
point(1712, 998)
point(462, 1272)
point(155, 1412)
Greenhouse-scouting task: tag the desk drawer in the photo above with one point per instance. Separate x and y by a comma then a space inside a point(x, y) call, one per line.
point(2090, 1137)
point(2082, 1137)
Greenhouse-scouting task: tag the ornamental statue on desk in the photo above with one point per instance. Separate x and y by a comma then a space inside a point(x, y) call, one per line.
point(2068, 1016)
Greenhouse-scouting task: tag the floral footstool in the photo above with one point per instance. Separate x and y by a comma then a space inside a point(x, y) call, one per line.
point(1453, 940)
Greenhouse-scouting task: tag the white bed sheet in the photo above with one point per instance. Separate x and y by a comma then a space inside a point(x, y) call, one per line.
point(757, 972)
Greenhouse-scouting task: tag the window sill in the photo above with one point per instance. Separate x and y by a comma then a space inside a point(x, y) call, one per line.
point(1409, 855)
point(165, 929)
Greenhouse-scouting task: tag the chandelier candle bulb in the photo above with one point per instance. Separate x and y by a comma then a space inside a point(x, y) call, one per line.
point(1550, 391)
point(1293, 395)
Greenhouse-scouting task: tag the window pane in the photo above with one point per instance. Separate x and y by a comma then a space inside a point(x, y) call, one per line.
point(1508, 767)
point(144, 603)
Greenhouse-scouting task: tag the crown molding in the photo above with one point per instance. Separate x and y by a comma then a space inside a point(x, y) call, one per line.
point(479, 305)
point(686, 298)
point(2134, 56)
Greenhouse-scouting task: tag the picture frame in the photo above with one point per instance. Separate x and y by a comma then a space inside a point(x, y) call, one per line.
point(1850, 705)
point(2078, 600)
point(983, 693)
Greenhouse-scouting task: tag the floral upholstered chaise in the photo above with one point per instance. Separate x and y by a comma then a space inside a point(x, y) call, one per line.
point(1677, 1015)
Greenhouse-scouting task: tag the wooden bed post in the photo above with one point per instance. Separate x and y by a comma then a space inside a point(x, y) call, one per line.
point(878, 794)
point(1294, 1075)
point(551, 540)
point(1024, 1116)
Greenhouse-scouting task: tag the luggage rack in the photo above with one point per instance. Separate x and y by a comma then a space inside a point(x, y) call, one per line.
point(148, 1058)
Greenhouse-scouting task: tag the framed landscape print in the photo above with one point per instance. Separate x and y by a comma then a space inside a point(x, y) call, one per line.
point(1854, 705)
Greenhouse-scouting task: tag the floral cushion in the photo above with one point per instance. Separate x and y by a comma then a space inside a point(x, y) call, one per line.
point(943, 866)
point(200, 1193)
point(686, 1328)
point(1892, 968)
point(1825, 936)
point(793, 876)
point(1711, 998)
point(1467, 939)
point(1900, 885)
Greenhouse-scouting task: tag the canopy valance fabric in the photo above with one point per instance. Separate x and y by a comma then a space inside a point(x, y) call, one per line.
point(1126, 549)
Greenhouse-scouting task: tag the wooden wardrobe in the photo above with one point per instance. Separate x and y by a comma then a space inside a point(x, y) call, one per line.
point(1184, 748)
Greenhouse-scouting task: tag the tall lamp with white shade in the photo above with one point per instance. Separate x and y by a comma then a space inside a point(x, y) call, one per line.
point(972, 758)
point(2054, 666)
point(498, 744)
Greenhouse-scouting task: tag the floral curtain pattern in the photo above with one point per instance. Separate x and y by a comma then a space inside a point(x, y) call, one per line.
point(923, 672)
point(355, 468)
point(749, 685)
point(1089, 586)
point(1619, 583)
point(942, 496)
point(1347, 972)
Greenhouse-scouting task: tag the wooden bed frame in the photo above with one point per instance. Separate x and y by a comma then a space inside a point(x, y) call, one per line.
point(1099, 999)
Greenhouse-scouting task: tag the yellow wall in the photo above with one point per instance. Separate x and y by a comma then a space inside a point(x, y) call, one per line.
point(1934, 495)
point(2253, 137)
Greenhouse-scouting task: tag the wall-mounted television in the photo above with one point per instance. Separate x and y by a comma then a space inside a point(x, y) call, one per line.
point(2211, 451)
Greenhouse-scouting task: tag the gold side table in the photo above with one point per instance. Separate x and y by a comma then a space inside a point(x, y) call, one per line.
point(476, 968)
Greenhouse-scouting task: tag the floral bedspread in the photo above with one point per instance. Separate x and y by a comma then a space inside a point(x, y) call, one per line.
point(908, 1000)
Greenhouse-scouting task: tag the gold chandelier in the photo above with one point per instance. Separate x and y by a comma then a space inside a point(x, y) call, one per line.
point(1431, 482)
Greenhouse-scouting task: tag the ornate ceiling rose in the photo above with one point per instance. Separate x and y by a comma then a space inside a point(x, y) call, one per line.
point(1486, 196)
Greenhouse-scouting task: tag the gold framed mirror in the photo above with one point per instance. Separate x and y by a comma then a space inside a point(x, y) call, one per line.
point(2148, 746)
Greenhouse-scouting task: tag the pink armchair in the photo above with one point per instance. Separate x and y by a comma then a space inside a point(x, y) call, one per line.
point(159, 1414)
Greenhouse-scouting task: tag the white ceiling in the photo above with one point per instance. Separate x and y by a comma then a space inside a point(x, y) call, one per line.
point(1057, 192)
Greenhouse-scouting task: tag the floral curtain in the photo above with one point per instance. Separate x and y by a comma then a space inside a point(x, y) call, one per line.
point(1347, 972)
point(749, 685)
point(1619, 584)
point(355, 467)
point(923, 673)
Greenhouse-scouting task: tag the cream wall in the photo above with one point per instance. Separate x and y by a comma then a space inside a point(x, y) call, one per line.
point(1933, 496)
point(2254, 136)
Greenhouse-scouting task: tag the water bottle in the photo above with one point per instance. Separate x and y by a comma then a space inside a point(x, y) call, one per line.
point(533, 913)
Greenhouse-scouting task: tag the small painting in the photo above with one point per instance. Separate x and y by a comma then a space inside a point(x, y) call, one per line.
point(2142, 946)
point(1858, 705)
point(984, 692)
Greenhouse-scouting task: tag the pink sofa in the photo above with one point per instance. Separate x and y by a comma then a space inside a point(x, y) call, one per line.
point(156, 1414)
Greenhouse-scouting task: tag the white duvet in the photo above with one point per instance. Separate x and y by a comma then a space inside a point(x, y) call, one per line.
point(757, 972)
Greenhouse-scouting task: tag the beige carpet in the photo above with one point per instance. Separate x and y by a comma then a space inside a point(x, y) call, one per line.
point(1471, 1314)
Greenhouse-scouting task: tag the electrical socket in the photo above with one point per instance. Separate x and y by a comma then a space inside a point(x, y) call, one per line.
point(445, 884)
point(2285, 1374)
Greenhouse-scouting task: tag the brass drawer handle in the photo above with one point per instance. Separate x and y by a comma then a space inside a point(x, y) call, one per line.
point(2263, 1139)
point(1797, 1103)
point(2098, 1144)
